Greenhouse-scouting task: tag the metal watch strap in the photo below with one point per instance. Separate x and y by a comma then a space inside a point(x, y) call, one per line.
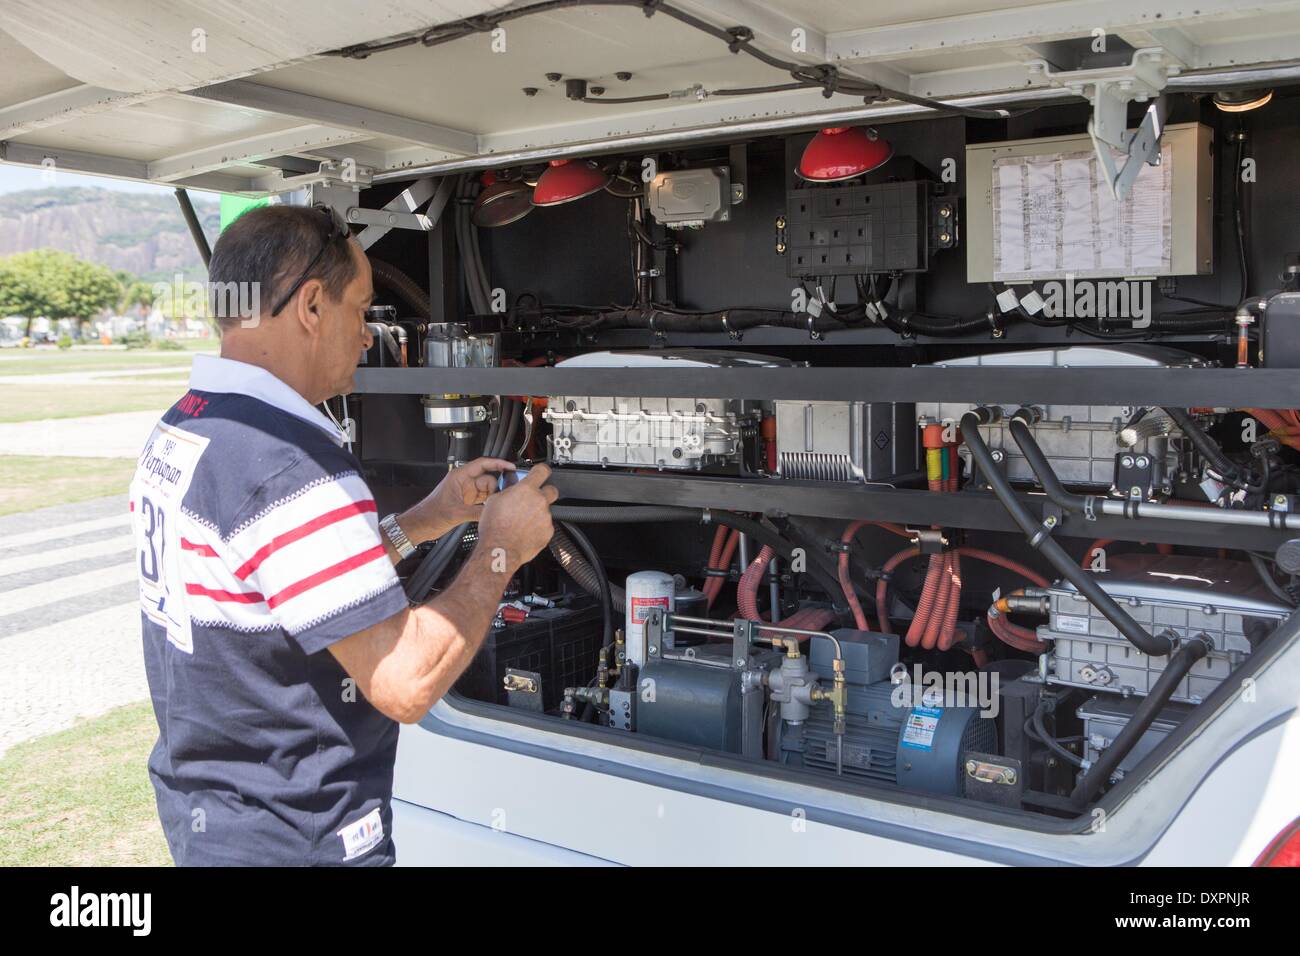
point(397, 537)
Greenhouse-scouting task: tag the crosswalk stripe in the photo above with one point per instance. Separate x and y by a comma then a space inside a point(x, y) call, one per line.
point(56, 531)
point(65, 589)
point(123, 598)
point(76, 552)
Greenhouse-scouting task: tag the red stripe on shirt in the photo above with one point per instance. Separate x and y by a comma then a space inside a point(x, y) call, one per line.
point(238, 597)
point(198, 548)
point(320, 577)
point(289, 537)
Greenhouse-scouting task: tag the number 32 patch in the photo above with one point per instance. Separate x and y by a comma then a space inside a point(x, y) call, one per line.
point(162, 476)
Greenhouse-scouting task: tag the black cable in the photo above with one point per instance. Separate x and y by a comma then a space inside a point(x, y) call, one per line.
point(1041, 540)
point(1243, 260)
point(1266, 576)
point(818, 565)
point(1042, 469)
point(407, 289)
point(739, 39)
point(434, 564)
point(593, 559)
point(1098, 775)
point(1207, 447)
point(1039, 733)
point(1216, 306)
point(615, 100)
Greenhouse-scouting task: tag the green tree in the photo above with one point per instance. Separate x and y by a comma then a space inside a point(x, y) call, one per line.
point(56, 285)
point(21, 290)
point(134, 292)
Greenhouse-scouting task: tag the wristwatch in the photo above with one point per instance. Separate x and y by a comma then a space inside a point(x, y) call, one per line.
point(397, 537)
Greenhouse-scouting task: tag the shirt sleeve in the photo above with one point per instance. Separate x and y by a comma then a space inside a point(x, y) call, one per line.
point(310, 547)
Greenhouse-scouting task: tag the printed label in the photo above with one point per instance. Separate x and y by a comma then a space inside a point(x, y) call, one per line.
point(918, 732)
point(642, 606)
point(1074, 625)
point(162, 477)
point(362, 836)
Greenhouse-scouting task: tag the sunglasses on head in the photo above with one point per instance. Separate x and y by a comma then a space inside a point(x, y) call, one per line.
point(338, 229)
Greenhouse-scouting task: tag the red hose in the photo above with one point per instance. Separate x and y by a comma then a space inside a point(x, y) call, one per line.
point(715, 554)
point(747, 590)
point(1021, 638)
point(949, 635)
point(713, 587)
point(938, 615)
point(1101, 543)
point(929, 591)
point(809, 619)
point(728, 552)
point(882, 585)
point(1015, 567)
point(846, 583)
point(1282, 429)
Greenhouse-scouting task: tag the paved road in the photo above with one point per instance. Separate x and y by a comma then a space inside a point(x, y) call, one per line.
point(120, 435)
point(69, 617)
point(126, 377)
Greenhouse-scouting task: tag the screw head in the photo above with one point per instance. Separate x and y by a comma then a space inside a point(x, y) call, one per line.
point(530, 91)
point(623, 75)
point(554, 77)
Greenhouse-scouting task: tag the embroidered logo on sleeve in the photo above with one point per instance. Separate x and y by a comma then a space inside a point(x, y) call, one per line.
point(363, 836)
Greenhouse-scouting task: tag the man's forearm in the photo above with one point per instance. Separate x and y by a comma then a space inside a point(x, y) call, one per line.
point(457, 620)
point(435, 527)
point(416, 533)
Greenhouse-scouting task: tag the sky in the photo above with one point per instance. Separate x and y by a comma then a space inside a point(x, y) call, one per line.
point(15, 178)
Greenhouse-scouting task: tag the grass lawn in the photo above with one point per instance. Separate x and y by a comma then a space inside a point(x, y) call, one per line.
point(29, 481)
point(19, 403)
point(97, 359)
point(161, 377)
point(82, 797)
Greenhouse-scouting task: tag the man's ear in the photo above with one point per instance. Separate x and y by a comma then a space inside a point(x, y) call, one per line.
point(311, 300)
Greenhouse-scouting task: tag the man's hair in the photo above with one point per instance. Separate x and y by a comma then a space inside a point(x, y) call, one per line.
point(263, 252)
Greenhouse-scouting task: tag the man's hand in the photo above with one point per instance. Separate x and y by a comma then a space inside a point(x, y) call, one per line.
point(404, 664)
point(458, 498)
point(516, 524)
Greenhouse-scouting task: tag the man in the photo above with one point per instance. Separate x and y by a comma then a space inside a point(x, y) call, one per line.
point(279, 645)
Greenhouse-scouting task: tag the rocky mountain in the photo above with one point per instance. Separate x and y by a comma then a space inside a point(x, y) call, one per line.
point(140, 233)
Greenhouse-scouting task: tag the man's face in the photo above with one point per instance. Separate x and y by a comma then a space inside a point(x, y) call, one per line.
point(343, 324)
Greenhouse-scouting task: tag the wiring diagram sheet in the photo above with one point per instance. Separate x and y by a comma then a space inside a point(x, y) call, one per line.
point(1053, 214)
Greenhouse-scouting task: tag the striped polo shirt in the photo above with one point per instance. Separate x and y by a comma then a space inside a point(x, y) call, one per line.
point(259, 547)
